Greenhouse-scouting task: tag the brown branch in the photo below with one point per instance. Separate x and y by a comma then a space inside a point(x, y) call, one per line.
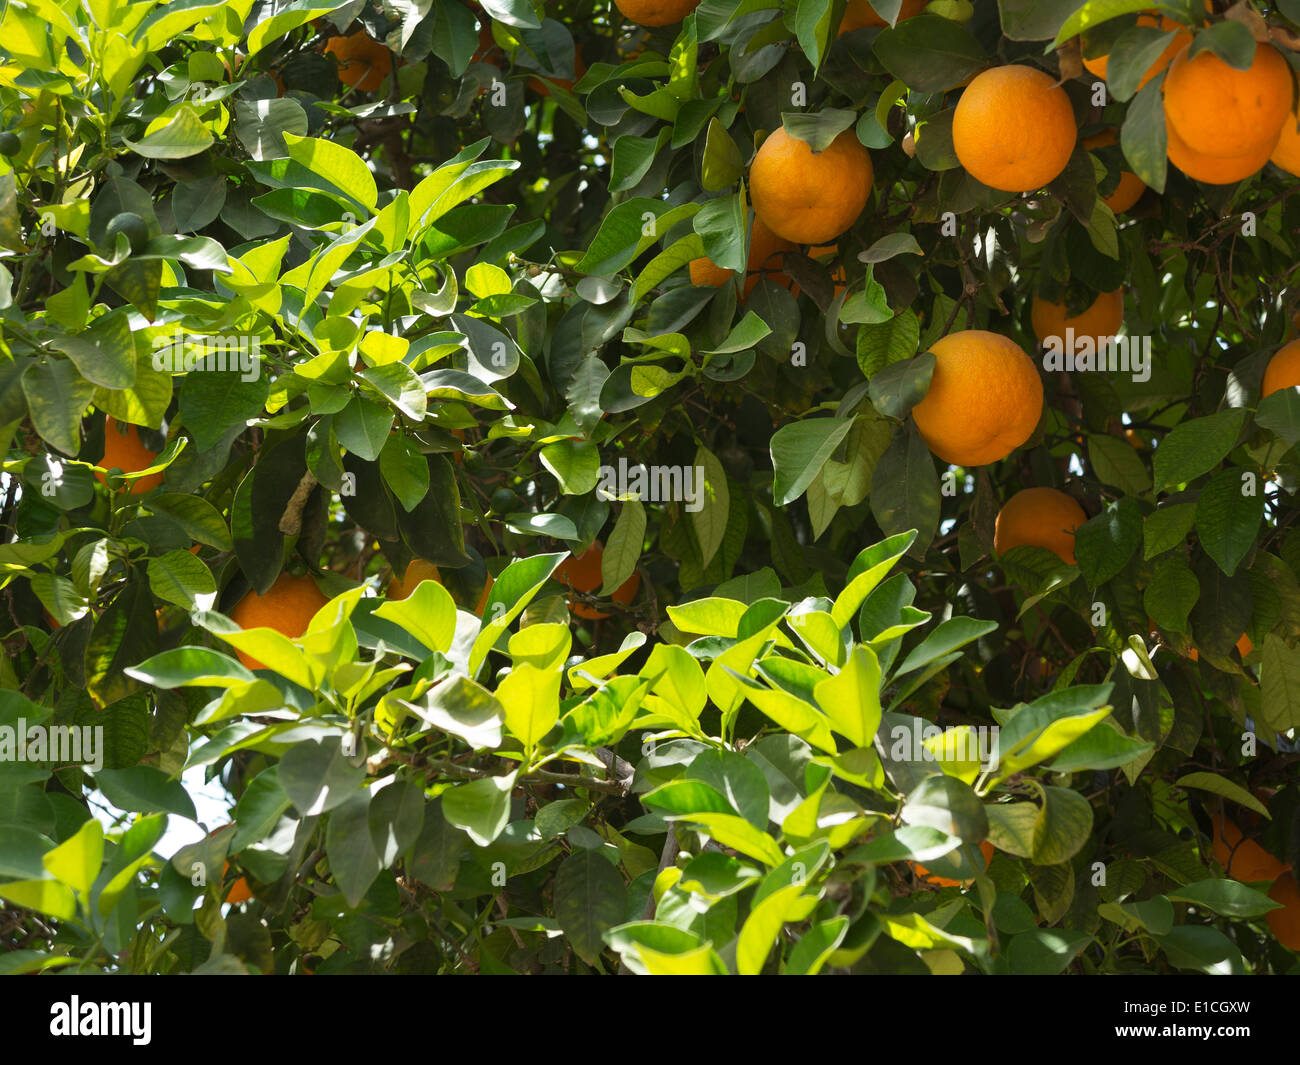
point(291, 519)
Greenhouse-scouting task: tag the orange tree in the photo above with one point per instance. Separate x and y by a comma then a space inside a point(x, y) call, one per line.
point(916, 593)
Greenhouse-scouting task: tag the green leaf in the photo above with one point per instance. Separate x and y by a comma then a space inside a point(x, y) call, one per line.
point(1195, 447)
point(799, 450)
point(623, 548)
point(105, 353)
point(1171, 594)
point(1166, 528)
point(590, 898)
point(178, 577)
point(1101, 747)
point(710, 520)
point(531, 698)
point(851, 698)
point(1218, 785)
point(45, 896)
point(317, 776)
point(905, 489)
point(349, 849)
point(945, 803)
point(428, 614)
point(57, 397)
point(1145, 142)
point(76, 861)
point(1228, 516)
point(896, 389)
point(764, 924)
point(1227, 898)
point(1116, 463)
point(1103, 544)
point(461, 707)
point(575, 464)
point(145, 789)
point(929, 53)
point(182, 136)
point(722, 164)
point(480, 808)
point(1063, 826)
point(720, 224)
point(363, 426)
point(1280, 684)
point(736, 779)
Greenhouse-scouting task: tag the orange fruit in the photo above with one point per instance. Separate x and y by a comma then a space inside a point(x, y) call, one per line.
point(656, 12)
point(364, 63)
point(1242, 859)
point(984, 400)
point(1286, 153)
point(765, 251)
point(416, 571)
point(1039, 517)
point(1013, 128)
point(805, 196)
point(124, 451)
point(1100, 321)
point(1214, 169)
point(1130, 187)
point(1285, 923)
point(288, 607)
point(1223, 112)
point(239, 890)
point(859, 14)
point(1099, 65)
point(1283, 370)
point(582, 574)
point(986, 849)
point(1244, 647)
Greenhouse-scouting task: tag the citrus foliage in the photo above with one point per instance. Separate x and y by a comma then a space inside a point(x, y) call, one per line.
point(324, 329)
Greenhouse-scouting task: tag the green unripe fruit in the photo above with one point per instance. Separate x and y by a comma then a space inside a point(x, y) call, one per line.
point(130, 223)
point(10, 145)
point(504, 501)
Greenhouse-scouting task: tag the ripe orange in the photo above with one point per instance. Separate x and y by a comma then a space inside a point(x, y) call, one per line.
point(1214, 169)
point(1286, 154)
point(582, 574)
point(239, 890)
point(1099, 65)
point(810, 197)
point(860, 13)
point(1013, 128)
point(1130, 187)
point(288, 607)
point(1039, 517)
point(1242, 859)
point(1283, 370)
point(418, 570)
point(1285, 923)
point(1244, 647)
point(1220, 111)
point(984, 400)
point(364, 63)
point(765, 251)
point(124, 451)
point(1100, 321)
point(986, 849)
point(656, 12)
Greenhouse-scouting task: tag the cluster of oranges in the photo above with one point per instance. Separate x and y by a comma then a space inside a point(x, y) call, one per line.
point(1221, 124)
